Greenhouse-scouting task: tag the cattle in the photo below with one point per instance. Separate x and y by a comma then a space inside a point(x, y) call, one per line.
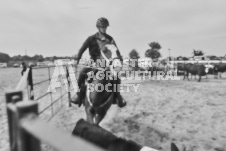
point(108, 141)
point(219, 68)
point(195, 69)
point(180, 68)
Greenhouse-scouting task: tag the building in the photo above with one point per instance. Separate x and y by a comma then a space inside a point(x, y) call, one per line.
point(3, 65)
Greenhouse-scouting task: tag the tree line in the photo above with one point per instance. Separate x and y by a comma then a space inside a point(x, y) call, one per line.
point(154, 53)
point(5, 58)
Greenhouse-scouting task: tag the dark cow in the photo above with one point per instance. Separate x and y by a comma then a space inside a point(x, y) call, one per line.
point(181, 70)
point(106, 140)
point(195, 69)
point(220, 68)
point(181, 66)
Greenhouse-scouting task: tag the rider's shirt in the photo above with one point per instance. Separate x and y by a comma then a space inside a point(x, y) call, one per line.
point(95, 43)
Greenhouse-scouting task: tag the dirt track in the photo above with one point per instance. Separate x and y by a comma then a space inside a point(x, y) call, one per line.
point(189, 113)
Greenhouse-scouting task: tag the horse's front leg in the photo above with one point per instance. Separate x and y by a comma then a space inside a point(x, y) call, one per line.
point(98, 118)
point(89, 115)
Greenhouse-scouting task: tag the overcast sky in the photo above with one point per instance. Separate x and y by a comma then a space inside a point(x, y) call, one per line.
point(59, 27)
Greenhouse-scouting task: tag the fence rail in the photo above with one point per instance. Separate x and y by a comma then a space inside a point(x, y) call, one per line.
point(199, 61)
point(48, 79)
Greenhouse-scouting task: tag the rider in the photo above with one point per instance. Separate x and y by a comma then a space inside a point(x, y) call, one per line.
point(24, 66)
point(95, 43)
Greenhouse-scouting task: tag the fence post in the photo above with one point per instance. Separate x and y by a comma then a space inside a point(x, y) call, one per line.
point(68, 86)
point(12, 98)
point(30, 83)
point(26, 141)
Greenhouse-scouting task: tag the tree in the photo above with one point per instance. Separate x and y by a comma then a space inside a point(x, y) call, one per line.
point(185, 58)
point(155, 45)
point(26, 57)
point(40, 58)
point(154, 51)
point(213, 57)
point(4, 57)
point(134, 54)
point(16, 58)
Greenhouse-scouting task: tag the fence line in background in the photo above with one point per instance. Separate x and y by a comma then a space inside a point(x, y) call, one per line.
point(198, 61)
point(31, 84)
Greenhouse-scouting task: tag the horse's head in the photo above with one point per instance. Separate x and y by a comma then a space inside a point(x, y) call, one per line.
point(109, 54)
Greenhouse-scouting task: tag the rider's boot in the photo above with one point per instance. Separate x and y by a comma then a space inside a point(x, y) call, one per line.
point(80, 94)
point(119, 100)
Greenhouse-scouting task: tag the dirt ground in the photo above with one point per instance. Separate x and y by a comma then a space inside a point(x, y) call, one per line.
point(189, 113)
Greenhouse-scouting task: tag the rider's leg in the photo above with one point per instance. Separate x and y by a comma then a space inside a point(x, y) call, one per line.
point(119, 99)
point(81, 79)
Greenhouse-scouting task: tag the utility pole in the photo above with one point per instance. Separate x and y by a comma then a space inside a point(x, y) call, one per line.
point(169, 53)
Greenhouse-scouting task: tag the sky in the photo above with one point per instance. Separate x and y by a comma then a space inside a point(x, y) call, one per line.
point(59, 27)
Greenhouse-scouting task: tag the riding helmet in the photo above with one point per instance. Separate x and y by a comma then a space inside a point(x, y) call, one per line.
point(102, 22)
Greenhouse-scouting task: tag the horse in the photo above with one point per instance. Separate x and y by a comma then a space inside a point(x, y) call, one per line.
point(97, 101)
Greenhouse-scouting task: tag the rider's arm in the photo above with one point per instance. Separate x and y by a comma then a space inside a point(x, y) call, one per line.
point(85, 45)
point(117, 52)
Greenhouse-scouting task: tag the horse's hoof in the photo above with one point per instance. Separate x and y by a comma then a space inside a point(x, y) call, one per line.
point(122, 104)
point(74, 102)
point(77, 103)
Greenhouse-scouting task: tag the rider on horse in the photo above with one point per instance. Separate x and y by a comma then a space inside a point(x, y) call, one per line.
point(96, 43)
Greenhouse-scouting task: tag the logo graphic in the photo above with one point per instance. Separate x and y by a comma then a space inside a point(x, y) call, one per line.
point(64, 74)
